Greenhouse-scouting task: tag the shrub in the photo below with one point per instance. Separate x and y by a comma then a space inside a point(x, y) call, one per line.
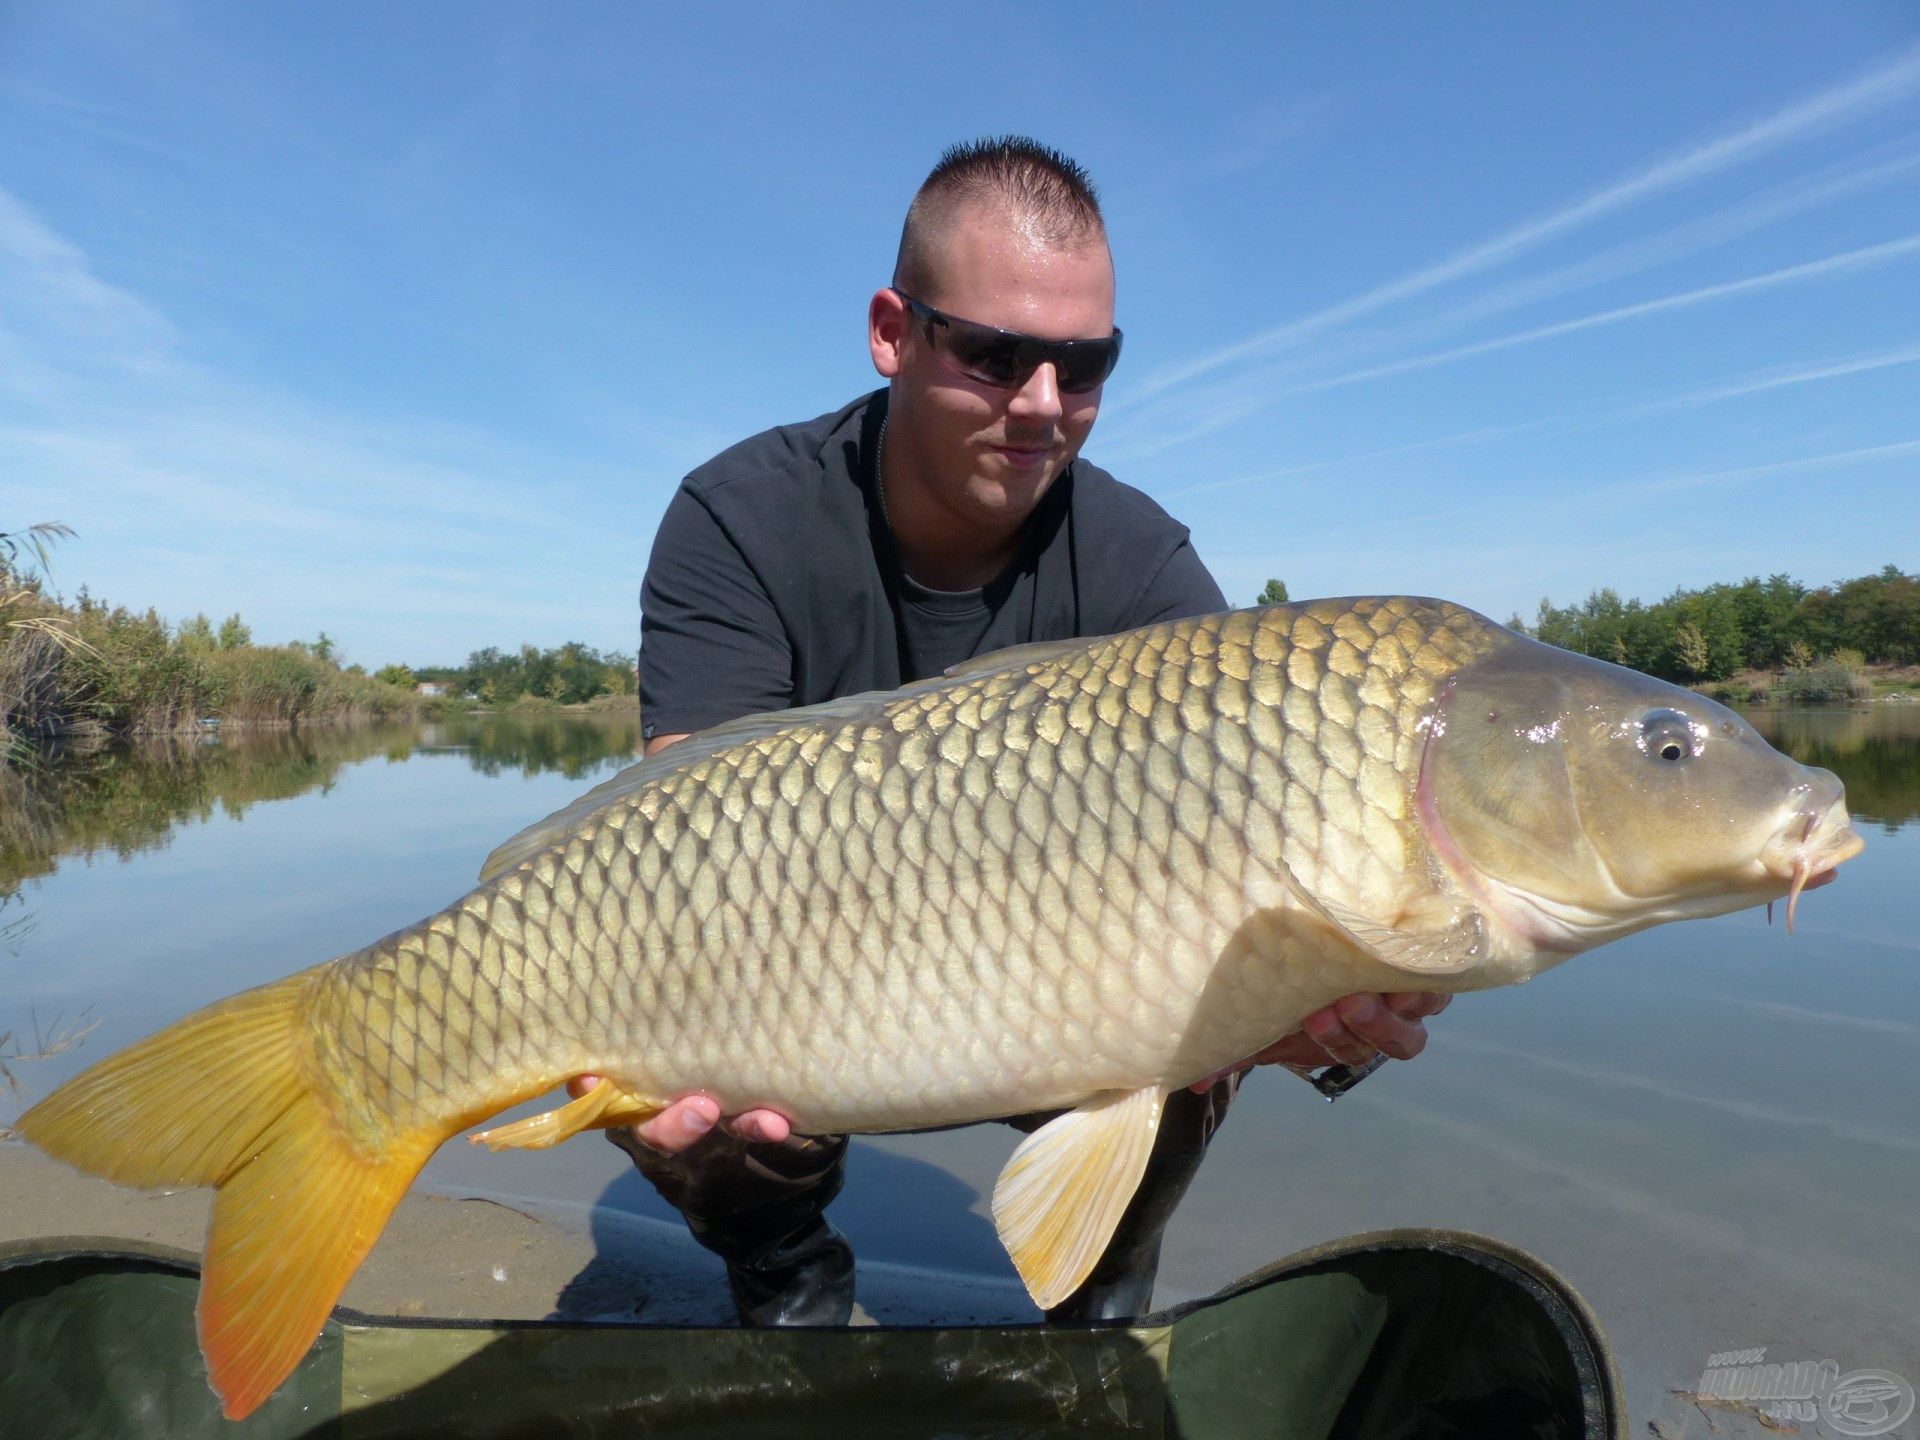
point(1833, 678)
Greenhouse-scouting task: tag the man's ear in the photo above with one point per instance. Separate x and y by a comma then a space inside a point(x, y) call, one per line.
point(887, 320)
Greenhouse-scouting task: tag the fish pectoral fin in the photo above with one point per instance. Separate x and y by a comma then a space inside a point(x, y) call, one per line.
point(1444, 940)
point(1062, 1194)
point(601, 1108)
point(1444, 943)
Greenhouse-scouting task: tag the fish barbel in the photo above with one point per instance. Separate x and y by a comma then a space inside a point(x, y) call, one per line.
point(1076, 875)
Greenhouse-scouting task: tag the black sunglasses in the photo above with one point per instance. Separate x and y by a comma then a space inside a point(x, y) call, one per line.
point(1006, 359)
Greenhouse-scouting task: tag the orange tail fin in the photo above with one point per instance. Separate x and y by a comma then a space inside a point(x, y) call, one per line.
point(220, 1099)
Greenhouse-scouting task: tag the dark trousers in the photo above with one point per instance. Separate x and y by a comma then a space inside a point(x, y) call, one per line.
point(762, 1209)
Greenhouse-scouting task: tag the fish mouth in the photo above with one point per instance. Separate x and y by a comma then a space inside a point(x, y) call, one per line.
point(1809, 849)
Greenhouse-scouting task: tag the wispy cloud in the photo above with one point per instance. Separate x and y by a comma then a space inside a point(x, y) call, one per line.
point(1865, 256)
point(1173, 418)
point(187, 482)
point(60, 313)
point(1834, 460)
point(1809, 117)
point(1779, 377)
point(1751, 383)
point(1648, 252)
point(1492, 512)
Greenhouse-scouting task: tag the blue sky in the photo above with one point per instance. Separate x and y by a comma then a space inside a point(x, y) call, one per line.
point(402, 322)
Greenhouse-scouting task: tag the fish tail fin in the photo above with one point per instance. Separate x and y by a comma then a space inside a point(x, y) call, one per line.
point(222, 1099)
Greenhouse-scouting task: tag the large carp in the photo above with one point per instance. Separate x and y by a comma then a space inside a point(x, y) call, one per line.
point(1075, 875)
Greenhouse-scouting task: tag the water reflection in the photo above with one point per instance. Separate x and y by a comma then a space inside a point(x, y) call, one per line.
point(123, 800)
point(510, 740)
point(127, 799)
point(1874, 749)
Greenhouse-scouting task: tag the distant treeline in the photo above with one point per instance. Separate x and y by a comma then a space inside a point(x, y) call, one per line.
point(125, 672)
point(570, 674)
point(83, 666)
point(1775, 624)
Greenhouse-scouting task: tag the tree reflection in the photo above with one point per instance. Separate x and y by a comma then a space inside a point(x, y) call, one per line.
point(123, 799)
point(1874, 749)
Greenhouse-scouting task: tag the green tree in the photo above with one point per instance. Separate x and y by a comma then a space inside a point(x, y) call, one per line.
point(1274, 593)
point(197, 634)
point(234, 634)
point(395, 675)
point(1690, 648)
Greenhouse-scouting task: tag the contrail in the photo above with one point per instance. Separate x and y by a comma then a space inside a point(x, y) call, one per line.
point(1827, 108)
point(1774, 379)
point(1847, 260)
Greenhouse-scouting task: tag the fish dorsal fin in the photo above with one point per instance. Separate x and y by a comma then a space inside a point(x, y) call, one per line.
point(1446, 939)
point(1062, 1194)
point(557, 827)
point(703, 745)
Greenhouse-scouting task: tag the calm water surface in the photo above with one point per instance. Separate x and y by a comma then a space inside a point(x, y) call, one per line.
point(1710, 1128)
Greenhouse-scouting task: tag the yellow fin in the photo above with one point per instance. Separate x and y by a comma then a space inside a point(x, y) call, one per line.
point(601, 1108)
point(1066, 1187)
point(220, 1099)
point(288, 1231)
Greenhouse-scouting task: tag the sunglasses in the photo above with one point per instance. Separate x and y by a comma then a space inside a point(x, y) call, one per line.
point(1006, 359)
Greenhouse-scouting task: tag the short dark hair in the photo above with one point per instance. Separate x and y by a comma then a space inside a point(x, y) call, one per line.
point(1038, 185)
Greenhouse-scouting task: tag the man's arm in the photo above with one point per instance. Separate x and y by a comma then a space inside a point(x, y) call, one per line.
point(712, 645)
point(1181, 587)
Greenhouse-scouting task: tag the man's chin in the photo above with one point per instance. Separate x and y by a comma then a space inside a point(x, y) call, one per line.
point(1010, 494)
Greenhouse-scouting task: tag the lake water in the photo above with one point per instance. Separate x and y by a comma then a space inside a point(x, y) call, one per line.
point(1709, 1128)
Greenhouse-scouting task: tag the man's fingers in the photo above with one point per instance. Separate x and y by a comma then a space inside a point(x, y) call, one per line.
point(1416, 1004)
point(680, 1125)
point(1377, 1026)
point(767, 1126)
point(692, 1118)
point(1330, 1031)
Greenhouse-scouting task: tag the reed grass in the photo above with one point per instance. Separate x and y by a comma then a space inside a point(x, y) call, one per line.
point(85, 669)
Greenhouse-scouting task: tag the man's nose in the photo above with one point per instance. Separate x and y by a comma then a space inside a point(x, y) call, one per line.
point(1040, 396)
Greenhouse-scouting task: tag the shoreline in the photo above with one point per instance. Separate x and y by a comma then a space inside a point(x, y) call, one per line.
point(455, 1253)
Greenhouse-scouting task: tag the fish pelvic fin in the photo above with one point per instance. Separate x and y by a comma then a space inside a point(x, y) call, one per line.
point(1062, 1194)
point(601, 1108)
point(221, 1099)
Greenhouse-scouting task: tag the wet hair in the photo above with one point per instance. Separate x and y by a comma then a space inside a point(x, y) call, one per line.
point(1045, 194)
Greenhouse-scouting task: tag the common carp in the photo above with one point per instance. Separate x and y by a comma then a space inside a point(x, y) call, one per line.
point(1076, 875)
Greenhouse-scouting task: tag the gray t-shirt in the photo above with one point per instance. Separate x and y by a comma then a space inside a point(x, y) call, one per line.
point(774, 581)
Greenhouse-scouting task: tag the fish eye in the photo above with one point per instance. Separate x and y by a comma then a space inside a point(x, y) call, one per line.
point(1668, 737)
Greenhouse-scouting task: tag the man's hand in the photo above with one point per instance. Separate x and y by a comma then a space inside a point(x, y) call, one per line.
point(1349, 1032)
point(691, 1117)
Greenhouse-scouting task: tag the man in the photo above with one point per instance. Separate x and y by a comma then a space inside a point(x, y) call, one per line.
point(941, 518)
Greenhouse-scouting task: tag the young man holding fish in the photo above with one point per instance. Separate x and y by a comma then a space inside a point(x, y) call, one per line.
point(945, 517)
point(1087, 876)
